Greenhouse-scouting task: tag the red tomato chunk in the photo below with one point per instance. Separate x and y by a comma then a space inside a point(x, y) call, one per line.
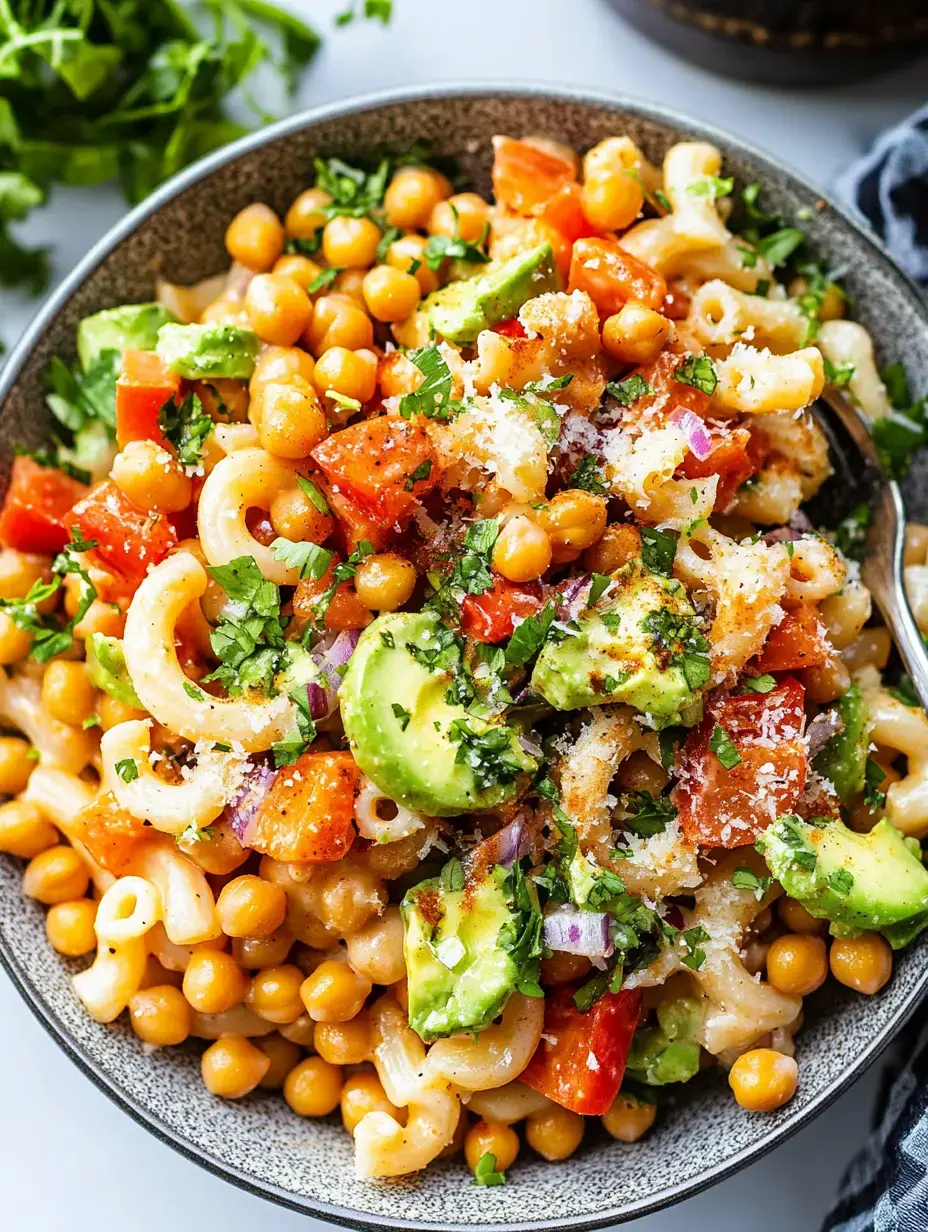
point(611, 276)
point(526, 177)
point(129, 539)
point(307, 816)
point(490, 617)
point(143, 387)
point(581, 1058)
point(798, 641)
point(36, 510)
point(729, 459)
point(722, 807)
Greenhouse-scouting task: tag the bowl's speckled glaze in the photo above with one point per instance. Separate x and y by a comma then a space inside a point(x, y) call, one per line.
point(258, 1143)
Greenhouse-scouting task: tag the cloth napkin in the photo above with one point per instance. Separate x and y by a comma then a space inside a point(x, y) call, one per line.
point(886, 1187)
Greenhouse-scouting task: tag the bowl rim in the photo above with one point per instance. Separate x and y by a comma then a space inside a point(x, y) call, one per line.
point(205, 167)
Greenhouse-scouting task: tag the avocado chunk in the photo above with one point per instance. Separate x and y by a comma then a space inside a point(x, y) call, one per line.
point(667, 1052)
point(422, 748)
point(106, 667)
point(208, 352)
point(471, 939)
point(641, 646)
point(129, 327)
point(462, 309)
point(843, 758)
point(868, 881)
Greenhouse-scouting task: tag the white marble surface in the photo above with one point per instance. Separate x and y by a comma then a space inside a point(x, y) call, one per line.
point(68, 1158)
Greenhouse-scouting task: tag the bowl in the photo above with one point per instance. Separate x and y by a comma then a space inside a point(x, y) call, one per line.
point(258, 1143)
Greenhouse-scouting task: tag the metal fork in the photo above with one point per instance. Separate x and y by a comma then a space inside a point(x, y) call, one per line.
point(882, 568)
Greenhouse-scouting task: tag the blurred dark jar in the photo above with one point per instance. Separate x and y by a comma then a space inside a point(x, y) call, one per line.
point(787, 42)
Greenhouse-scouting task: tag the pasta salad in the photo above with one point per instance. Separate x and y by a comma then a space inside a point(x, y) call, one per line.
point(425, 683)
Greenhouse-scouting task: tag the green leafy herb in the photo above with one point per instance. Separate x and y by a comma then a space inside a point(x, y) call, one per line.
point(723, 747)
point(904, 691)
point(711, 186)
point(698, 371)
point(49, 635)
point(127, 770)
point(452, 247)
point(92, 720)
point(693, 939)
point(443, 652)
point(309, 559)
point(599, 584)
point(658, 550)
point(529, 636)
point(629, 390)
point(668, 738)
point(488, 753)
point(249, 639)
point(451, 877)
point(344, 571)
point(387, 638)
point(78, 399)
point(485, 1173)
point(309, 489)
point(192, 691)
point(747, 879)
point(389, 237)
point(841, 881)
point(195, 834)
point(402, 715)
point(677, 640)
point(549, 385)
point(324, 278)
point(433, 396)
point(780, 245)
point(758, 684)
point(647, 814)
point(382, 10)
point(587, 475)
point(422, 471)
point(186, 426)
point(838, 374)
point(900, 435)
point(287, 752)
point(355, 192)
point(874, 777)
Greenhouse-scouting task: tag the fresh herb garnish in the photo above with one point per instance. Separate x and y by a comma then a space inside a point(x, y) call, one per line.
point(310, 560)
point(452, 247)
point(874, 777)
point(711, 186)
point(422, 471)
point(851, 534)
point(629, 390)
point(309, 489)
point(599, 584)
point(286, 752)
point(698, 371)
point(838, 374)
point(758, 684)
point(746, 879)
point(433, 396)
point(588, 475)
point(324, 278)
point(723, 747)
point(355, 192)
point(488, 753)
point(693, 939)
point(647, 814)
point(529, 636)
point(485, 1173)
point(677, 640)
point(401, 714)
point(49, 635)
point(841, 881)
point(249, 639)
point(658, 550)
point(900, 435)
point(127, 770)
point(186, 426)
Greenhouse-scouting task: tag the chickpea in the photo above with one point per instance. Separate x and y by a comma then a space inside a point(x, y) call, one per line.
point(151, 477)
point(334, 993)
point(281, 366)
point(797, 964)
point(350, 243)
point(296, 516)
point(100, 618)
point(639, 773)
point(873, 646)
point(302, 1032)
point(20, 570)
point(376, 951)
point(828, 682)
point(15, 643)
point(69, 927)
point(412, 195)
point(313, 1087)
point(574, 519)
point(611, 200)
point(255, 237)
point(465, 215)
point(797, 919)
point(555, 1133)
point(15, 765)
point(491, 1138)
point(298, 269)
point(618, 545)
point(305, 217)
point(249, 906)
point(629, 1118)
point(385, 581)
point(160, 1016)
point(275, 993)
point(833, 301)
point(278, 308)
point(916, 548)
point(283, 1054)
point(350, 373)
point(864, 963)
point(390, 294)
point(763, 1080)
point(338, 321)
point(112, 712)
point(361, 1094)
point(68, 693)
point(214, 982)
point(345, 1043)
point(404, 252)
point(256, 953)
point(350, 282)
point(290, 419)
point(635, 334)
point(55, 875)
point(522, 551)
point(24, 831)
point(233, 1066)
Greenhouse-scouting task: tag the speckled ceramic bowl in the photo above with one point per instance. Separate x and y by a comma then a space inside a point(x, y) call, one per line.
point(258, 1143)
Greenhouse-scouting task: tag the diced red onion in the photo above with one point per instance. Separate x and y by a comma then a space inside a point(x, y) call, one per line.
point(505, 846)
point(318, 701)
point(821, 730)
point(586, 933)
point(573, 597)
point(530, 746)
point(329, 655)
point(244, 805)
point(782, 534)
point(674, 916)
point(799, 521)
point(697, 434)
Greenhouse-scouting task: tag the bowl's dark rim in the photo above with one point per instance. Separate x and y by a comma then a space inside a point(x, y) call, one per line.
point(43, 1012)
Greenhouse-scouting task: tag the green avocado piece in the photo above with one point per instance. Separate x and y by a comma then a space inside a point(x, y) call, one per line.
point(470, 941)
point(843, 759)
point(870, 881)
point(667, 1052)
point(106, 667)
point(129, 327)
point(640, 645)
point(462, 309)
point(208, 352)
point(424, 751)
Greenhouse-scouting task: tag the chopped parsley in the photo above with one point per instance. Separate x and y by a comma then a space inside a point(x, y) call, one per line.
point(310, 560)
point(529, 636)
point(667, 739)
point(698, 371)
point(323, 279)
point(485, 1173)
point(711, 186)
point(647, 814)
point(693, 939)
point(127, 770)
point(442, 654)
point(627, 391)
point(354, 191)
point(387, 638)
point(453, 248)
point(838, 374)
point(758, 684)
point(851, 534)
point(677, 639)
point(249, 639)
point(488, 754)
point(49, 635)
point(841, 881)
point(192, 691)
point(433, 396)
point(422, 471)
point(599, 584)
point(777, 247)
point(401, 714)
point(904, 691)
point(286, 752)
point(186, 426)
point(588, 476)
point(723, 747)
point(900, 435)
point(309, 489)
point(658, 550)
point(194, 834)
point(746, 879)
point(874, 777)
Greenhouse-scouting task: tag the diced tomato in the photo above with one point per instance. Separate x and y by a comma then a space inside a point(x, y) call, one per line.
point(345, 611)
point(513, 328)
point(525, 177)
point(581, 1058)
point(611, 276)
point(669, 395)
point(308, 815)
point(143, 387)
point(35, 510)
point(565, 213)
point(129, 540)
point(729, 459)
point(728, 808)
point(112, 836)
point(260, 526)
point(374, 462)
point(798, 641)
point(676, 305)
point(490, 617)
point(354, 523)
